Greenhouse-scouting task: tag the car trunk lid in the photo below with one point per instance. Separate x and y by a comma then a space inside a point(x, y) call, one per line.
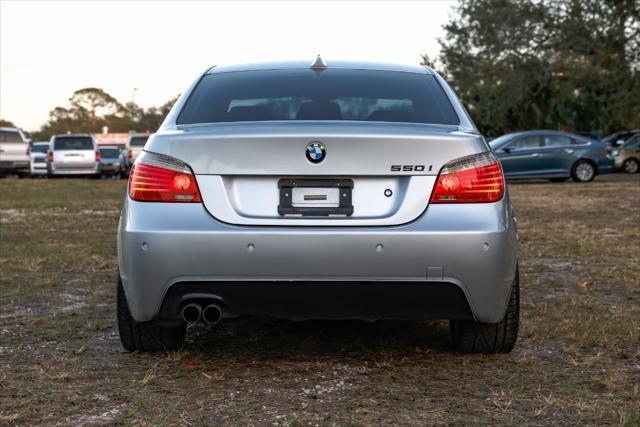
point(388, 170)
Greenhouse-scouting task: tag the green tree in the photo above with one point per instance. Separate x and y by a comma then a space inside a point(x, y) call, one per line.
point(92, 108)
point(531, 64)
point(6, 123)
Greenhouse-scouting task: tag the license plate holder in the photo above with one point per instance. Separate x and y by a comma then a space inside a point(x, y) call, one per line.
point(287, 207)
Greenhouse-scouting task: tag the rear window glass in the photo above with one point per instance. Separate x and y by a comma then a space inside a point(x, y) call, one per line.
point(109, 153)
point(10, 136)
point(73, 143)
point(39, 148)
point(138, 141)
point(304, 94)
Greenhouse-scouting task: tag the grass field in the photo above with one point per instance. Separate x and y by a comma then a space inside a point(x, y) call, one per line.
point(577, 360)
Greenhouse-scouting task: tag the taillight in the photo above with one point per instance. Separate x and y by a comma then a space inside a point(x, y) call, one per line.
point(50, 156)
point(472, 179)
point(28, 150)
point(160, 178)
point(97, 155)
point(130, 155)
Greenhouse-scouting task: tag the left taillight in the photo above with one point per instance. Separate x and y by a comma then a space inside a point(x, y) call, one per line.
point(472, 179)
point(97, 155)
point(50, 156)
point(28, 150)
point(160, 178)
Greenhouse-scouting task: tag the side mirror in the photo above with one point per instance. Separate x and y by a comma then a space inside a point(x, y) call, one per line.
point(506, 150)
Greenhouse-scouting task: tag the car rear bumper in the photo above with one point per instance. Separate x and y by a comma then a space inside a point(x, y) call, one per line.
point(11, 165)
point(91, 170)
point(169, 250)
point(110, 168)
point(38, 169)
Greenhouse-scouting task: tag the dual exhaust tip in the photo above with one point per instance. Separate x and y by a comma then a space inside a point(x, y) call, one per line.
point(193, 312)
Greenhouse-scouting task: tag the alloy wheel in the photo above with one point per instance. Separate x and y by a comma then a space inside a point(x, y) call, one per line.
point(584, 171)
point(631, 166)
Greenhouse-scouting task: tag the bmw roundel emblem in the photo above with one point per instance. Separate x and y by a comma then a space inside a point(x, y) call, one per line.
point(315, 152)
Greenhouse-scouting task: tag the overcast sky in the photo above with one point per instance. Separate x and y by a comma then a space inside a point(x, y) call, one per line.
point(50, 49)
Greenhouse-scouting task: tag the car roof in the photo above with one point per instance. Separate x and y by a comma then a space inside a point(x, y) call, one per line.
point(72, 135)
point(348, 65)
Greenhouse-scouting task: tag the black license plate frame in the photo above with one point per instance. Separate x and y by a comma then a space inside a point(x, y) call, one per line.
point(344, 186)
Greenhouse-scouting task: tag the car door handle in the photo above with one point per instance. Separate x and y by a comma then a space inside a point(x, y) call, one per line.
point(568, 150)
point(535, 155)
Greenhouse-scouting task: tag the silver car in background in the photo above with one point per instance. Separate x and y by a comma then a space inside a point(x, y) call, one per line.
point(112, 162)
point(38, 158)
point(339, 191)
point(73, 155)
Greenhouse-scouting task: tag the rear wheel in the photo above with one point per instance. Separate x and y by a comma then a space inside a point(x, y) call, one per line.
point(145, 336)
point(583, 171)
point(469, 336)
point(630, 166)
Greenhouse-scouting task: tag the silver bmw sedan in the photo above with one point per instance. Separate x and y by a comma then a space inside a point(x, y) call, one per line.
point(317, 191)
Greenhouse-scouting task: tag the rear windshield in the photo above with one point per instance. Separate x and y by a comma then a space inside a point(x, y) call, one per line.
point(109, 153)
point(10, 136)
point(39, 148)
point(304, 94)
point(138, 141)
point(73, 143)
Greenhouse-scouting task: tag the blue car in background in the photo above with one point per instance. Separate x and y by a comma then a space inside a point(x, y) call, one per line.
point(554, 155)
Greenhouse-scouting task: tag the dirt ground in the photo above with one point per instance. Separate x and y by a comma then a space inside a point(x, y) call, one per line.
point(577, 361)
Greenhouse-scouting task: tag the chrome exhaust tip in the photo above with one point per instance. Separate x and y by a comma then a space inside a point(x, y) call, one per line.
point(191, 313)
point(212, 314)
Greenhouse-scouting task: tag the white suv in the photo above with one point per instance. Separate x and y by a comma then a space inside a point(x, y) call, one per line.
point(135, 143)
point(14, 151)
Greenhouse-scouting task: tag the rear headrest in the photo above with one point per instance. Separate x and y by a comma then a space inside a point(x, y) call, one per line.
point(321, 110)
point(249, 113)
point(392, 116)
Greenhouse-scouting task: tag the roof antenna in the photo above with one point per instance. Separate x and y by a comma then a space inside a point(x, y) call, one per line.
point(318, 64)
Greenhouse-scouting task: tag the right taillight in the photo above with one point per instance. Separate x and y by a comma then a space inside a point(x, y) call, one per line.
point(160, 178)
point(473, 179)
point(130, 155)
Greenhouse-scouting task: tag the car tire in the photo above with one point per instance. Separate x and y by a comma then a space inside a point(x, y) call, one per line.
point(630, 166)
point(558, 179)
point(583, 171)
point(145, 336)
point(469, 336)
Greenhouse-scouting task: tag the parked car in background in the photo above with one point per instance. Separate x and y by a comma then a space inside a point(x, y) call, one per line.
point(38, 158)
point(134, 146)
point(73, 155)
point(340, 191)
point(552, 154)
point(112, 162)
point(627, 157)
point(14, 152)
point(619, 138)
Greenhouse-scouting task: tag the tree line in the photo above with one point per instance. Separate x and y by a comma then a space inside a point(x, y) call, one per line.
point(91, 109)
point(516, 65)
point(544, 64)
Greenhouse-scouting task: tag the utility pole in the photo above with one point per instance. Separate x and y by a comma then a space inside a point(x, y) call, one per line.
point(133, 105)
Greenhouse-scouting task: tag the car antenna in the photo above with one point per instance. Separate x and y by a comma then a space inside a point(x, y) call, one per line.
point(319, 64)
